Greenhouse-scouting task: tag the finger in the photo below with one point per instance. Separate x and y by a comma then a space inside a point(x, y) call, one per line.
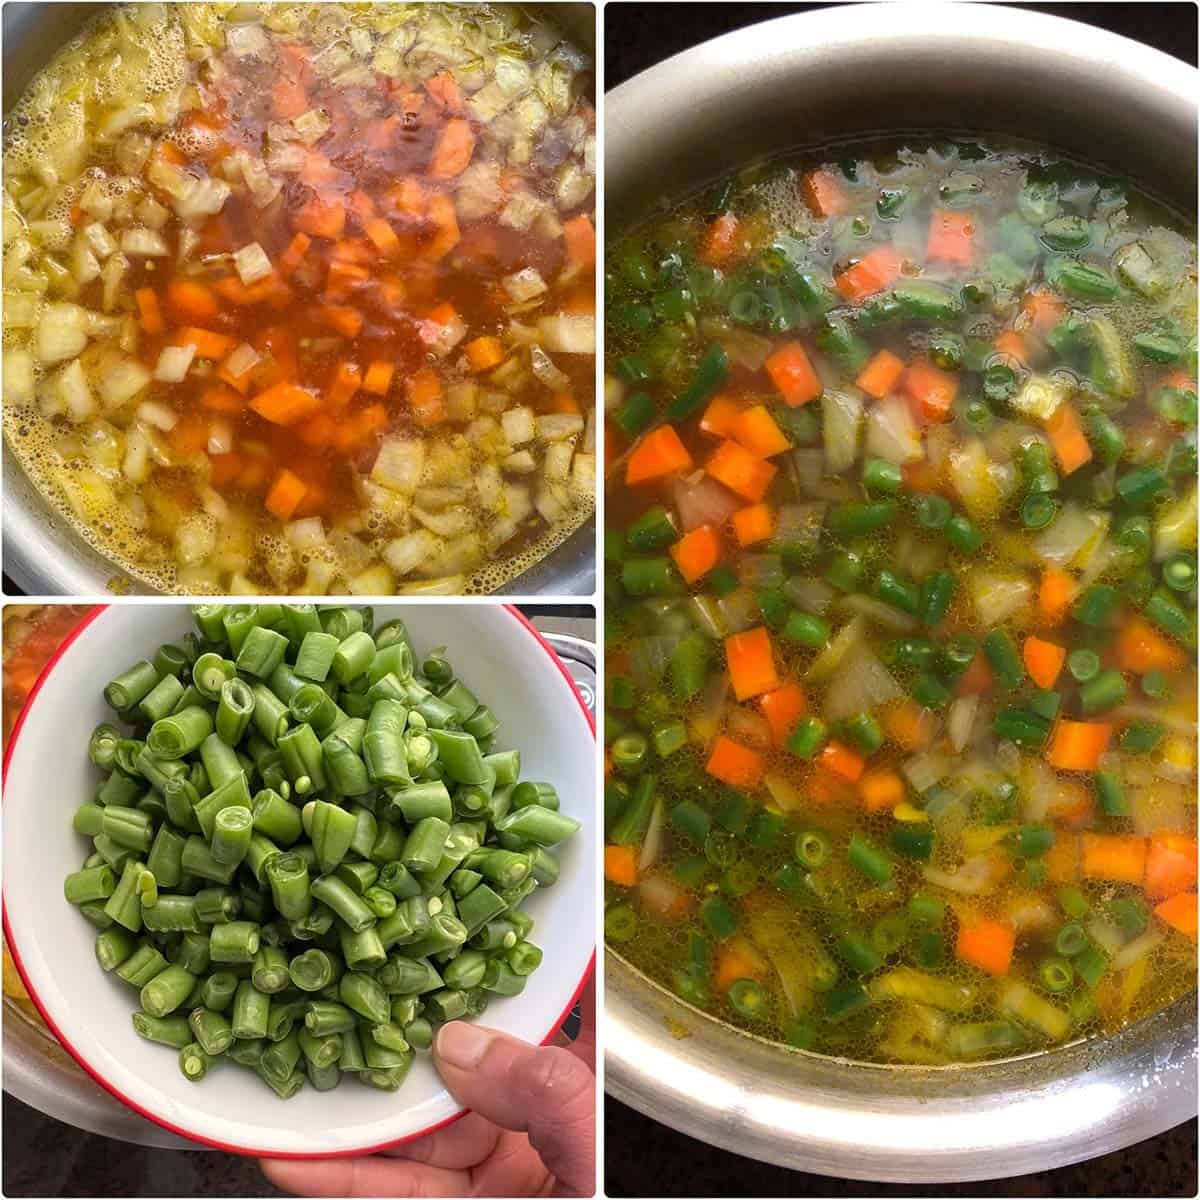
point(547, 1091)
point(368, 1175)
point(466, 1143)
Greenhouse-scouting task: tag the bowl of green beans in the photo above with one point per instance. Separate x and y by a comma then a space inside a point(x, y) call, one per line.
point(255, 856)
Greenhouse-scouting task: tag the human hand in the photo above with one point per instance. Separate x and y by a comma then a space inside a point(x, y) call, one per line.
point(531, 1130)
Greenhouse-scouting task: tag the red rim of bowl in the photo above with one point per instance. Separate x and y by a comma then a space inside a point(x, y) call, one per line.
point(111, 1088)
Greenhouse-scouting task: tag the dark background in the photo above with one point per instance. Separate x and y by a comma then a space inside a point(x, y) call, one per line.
point(644, 1158)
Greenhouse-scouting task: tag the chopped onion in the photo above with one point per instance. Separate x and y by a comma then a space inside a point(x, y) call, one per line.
point(120, 380)
point(959, 720)
point(830, 659)
point(972, 878)
point(662, 896)
point(1137, 949)
point(892, 433)
point(74, 392)
point(525, 285)
point(998, 595)
point(252, 263)
point(518, 425)
point(555, 427)
point(546, 372)
point(201, 198)
point(1075, 532)
point(160, 416)
point(701, 500)
point(783, 792)
point(860, 684)
point(312, 126)
point(241, 360)
point(398, 467)
point(566, 333)
point(884, 616)
point(173, 363)
point(143, 243)
point(746, 725)
point(809, 593)
point(739, 609)
point(842, 414)
point(220, 436)
point(408, 554)
point(652, 844)
point(925, 770)
point(973, 481)
point(649, 656)
point(61, 333)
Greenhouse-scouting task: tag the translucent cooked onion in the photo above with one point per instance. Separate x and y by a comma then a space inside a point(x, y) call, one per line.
point(701, 500)
point(567, 333)
point(173, 363)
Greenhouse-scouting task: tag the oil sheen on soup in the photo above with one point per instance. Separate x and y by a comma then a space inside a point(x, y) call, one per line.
point(300, 297)
point(901, 568)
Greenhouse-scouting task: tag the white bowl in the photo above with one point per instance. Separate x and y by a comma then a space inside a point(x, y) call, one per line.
point(47, 774)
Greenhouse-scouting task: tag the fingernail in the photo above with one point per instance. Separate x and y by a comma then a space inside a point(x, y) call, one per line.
point(463, 1045)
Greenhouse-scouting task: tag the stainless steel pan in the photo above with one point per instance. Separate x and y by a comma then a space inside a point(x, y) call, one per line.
point(42, 554)
point(823, 77)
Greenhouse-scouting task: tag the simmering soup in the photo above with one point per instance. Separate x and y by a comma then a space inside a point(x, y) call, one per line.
point(299, 297)
point(901, 572)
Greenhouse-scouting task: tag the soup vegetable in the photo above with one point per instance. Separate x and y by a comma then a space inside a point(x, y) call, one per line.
point(299, 298)
point(309, 851)
point(901, 571)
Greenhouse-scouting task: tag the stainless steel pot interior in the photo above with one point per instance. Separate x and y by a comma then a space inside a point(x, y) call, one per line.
point(42, 554)
point(843, 74)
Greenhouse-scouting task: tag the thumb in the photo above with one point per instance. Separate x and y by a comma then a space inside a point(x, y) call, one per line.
point(544, 1090)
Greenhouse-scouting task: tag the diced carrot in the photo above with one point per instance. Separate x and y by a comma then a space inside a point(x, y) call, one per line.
point(824, 789)
point(343, 278)
point(754, 524)
point(737, 959)
point(658, 454)
point(284, 403)
point(1179, 912)
point(321, 218)
point(881, 790)
point(322, 430)
point(1044, 309)
point(751, 663)
point(319, 172)
point(1056, 591)
point(224, 468)
point(221, 399)
point(823, 193)
point(563, 402)
point(452, 153)
point(288, 99)
point(782, 708)
point(231, 288)
point(253, 475)
point(1078, 745)
point(171, 153)
point(1181, 380)
point(285, 495)
point(620, 865)
point(361, 205)
point(720, 417)
point(347, 379)
point(346, 320)
point(720, 240)
point(987, 945)
point(445, 222)
point(697, 552)
point(740, 471)
point(843, 761)
point(951, 237)
point(1141, 648)
point(580, 236)
point(921, 476)
point(872, 273)
point(793, 375)
point(371, 420)
point(151, 311)
point(976, 679)
point(1170, 865)
point(756, 429)
point(189, 435)
point(293, 256)
point(735, 764)
point(1116, 857)
point(382, 236)
point(932, 392)
point(1066, 435)
point(1043, 660)
point(908, 724)
point(880, 376)
point(425, 396)
point(1010, 342)
point(191, 301)
point(378, 378)
point(410, 198)
point(1062, 859)
point(444, 89)
point(208, 344)
point(484, 353)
